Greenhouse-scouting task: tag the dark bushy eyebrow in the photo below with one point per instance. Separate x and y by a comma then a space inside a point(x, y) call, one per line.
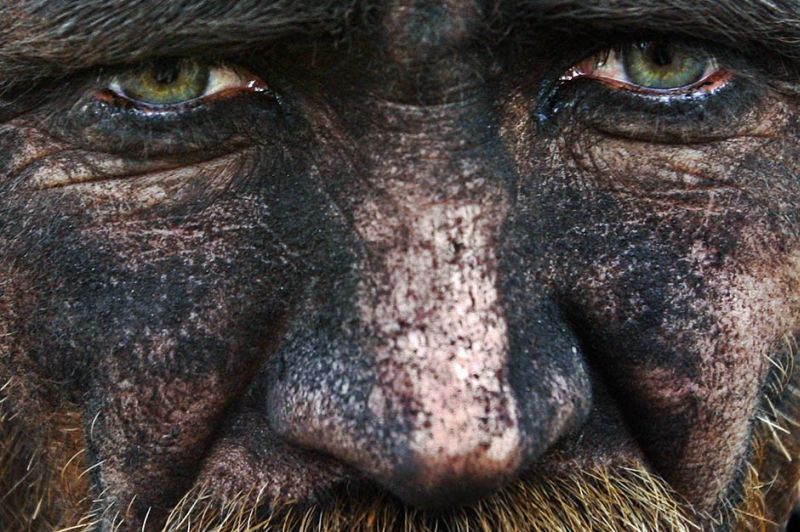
point(746, 25)
point(41, 38)
point(49, 37)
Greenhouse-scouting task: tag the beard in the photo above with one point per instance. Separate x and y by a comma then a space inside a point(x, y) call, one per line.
point(600, 498)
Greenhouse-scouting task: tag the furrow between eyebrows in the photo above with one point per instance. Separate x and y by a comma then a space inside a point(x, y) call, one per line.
point(772, 25)
point(43, 38)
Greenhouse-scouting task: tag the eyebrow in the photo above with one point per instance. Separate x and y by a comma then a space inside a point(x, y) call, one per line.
point(42, 39)
point(744, 25)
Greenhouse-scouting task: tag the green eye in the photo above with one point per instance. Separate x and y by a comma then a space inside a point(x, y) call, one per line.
point(170, 82)
point(166, 82)
point(664, 66)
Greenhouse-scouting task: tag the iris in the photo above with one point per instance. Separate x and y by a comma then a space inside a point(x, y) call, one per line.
point(167, 82)
point(664, 66)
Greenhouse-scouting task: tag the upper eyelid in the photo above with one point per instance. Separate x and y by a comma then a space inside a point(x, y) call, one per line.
point(724, 54)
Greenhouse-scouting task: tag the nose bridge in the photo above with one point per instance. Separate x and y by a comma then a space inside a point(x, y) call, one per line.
point(421, 400)
point(430, 50)
point(439, 335)
point(428, 294)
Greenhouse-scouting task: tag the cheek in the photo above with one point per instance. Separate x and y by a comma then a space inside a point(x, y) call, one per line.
point(154, 429)
point(153, 325)
point(689, 335)
point(134, 305)
point(674, 263)
point(166, 340)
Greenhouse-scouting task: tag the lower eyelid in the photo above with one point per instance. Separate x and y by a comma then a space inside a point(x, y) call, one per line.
point(708, 85)
point(736, 107)
point(105, 123)
point(118, 198)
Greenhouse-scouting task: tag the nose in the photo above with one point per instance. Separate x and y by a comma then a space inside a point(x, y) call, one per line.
point(439, 343)
point(407, 368)
point(430, 414)
point(424, 392)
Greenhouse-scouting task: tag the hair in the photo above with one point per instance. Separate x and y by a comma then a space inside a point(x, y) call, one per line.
point(625, 498)
point(38, 491)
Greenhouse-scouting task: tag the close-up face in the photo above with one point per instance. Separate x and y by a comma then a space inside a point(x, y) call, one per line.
point(474, 265)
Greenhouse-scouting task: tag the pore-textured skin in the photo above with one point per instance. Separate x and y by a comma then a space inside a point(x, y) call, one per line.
point(417, 263)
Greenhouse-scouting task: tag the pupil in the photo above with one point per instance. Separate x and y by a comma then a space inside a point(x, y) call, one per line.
point(661, 55)
point(166, 73)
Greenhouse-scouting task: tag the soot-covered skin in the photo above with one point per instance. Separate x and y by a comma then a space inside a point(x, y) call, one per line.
point(417, 261)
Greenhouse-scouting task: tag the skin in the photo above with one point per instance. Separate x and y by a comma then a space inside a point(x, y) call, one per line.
point(416, 264)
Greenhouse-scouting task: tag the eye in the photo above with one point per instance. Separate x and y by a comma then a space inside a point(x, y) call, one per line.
point(656, 67)
point(179, 81)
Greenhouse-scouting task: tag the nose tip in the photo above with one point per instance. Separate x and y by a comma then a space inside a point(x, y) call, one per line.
point(430, 438)
point(455, 447)
point(442, 480)
point(440, 353)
